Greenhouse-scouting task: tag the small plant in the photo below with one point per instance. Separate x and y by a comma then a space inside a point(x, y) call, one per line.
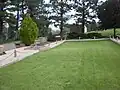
point(28, 31)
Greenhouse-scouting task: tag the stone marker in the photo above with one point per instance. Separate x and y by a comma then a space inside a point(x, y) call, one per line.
point(2, 50)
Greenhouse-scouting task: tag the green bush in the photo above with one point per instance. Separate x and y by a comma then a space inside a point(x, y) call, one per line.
point(83, 36)
point(94, 34)
point(73, 35)
point(51, 37)
point(28, 31)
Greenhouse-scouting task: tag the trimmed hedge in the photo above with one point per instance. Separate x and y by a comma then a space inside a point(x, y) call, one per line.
point(52, 38)
point(96, 35)
point(73, 35)
point(84, 35)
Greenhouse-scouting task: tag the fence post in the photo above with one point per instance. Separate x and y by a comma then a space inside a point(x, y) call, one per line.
point(110, 36)
point(15, 53)
point(56, 41)
point(117, 38)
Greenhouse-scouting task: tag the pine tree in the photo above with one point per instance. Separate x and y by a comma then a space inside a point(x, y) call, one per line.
point(60, 8)
point(83, 9)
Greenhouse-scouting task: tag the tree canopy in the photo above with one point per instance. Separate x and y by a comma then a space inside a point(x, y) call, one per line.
point(58, 12)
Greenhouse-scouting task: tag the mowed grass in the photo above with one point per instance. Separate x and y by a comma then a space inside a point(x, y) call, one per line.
point(93, 65)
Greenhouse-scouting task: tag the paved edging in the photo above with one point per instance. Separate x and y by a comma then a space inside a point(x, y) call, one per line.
point(82, 40)
point(115, 41)
point(55, 44)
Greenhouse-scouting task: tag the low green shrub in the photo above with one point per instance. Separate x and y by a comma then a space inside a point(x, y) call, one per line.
point(51, 37)
point(84, 35)
point(94, 34)
point(73, 35)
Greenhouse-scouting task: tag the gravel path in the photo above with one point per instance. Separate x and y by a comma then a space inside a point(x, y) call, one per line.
point(24, 52)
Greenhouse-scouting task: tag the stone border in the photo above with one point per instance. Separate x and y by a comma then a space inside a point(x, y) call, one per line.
point(115, 41)
point(82, 40)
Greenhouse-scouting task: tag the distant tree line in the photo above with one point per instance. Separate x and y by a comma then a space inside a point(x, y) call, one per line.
point(56, 12)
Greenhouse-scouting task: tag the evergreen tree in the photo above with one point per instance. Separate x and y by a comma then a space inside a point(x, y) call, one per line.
point(6, 16)
point(85, 11)
point(28, 31)
point(59, 9)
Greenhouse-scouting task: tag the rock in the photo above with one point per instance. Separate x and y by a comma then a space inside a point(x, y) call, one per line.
point(2, 50)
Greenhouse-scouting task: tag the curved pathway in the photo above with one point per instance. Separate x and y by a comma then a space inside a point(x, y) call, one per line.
point(24, 52)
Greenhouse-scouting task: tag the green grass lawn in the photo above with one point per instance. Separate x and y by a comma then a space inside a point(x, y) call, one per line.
point(93, 65)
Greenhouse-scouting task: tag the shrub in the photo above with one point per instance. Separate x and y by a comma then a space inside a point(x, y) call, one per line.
point(83, 36)
point(28, 31)
point(96, 35)
point(51, 37)
point(73, 35)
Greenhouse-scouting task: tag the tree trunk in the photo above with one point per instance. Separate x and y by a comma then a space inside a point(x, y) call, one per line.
point(1, 25)
point(83, 17)
point(1, 21)
point(61, 17)
point(23, 7)
point(61, 29)
point(17, 24)
point(114, 32)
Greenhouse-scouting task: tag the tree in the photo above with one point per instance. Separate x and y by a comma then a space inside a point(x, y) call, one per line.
point(6, 16)
point(59, 9)
point(85, 11)
point(109, 14)
point(2, 14)
point(43, 18)
point(28, 31)
point(39, 13)
point(15, 6)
